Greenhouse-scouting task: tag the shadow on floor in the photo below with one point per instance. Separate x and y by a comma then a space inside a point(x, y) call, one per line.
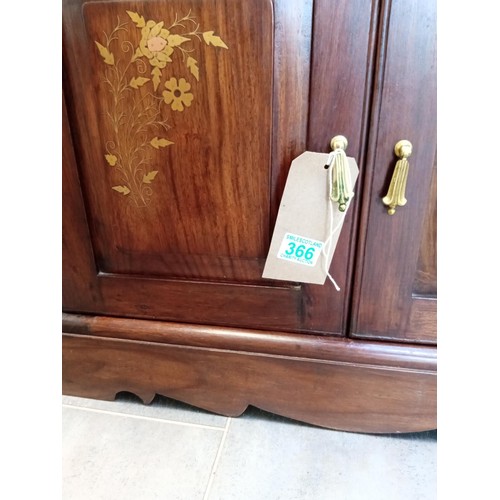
point(255, 413)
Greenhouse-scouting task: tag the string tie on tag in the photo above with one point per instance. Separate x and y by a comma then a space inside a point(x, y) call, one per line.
point(328, 243)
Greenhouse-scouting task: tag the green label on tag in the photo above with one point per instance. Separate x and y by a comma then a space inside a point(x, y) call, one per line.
point(299, 249)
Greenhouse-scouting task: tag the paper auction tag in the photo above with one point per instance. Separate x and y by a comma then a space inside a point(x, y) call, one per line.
point(302, 245)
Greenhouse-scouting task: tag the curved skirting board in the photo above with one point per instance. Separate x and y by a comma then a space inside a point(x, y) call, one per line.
point(336, 383)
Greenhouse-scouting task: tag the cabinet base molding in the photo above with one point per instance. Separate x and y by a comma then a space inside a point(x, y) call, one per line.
point(341, 384)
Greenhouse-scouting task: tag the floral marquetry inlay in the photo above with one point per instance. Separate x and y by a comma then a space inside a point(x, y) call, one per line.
point(138, 78)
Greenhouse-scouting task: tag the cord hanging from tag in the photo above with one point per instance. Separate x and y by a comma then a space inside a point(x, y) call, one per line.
point(328, 243)
point(331, 230)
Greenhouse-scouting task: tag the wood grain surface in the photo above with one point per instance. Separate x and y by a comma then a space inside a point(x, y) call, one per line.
point(205, 214)
point(196, 250)
point(347, 391)
point(180, 121)
point(387, 303)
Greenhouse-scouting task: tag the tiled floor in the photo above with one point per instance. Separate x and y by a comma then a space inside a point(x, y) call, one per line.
point(168, 450)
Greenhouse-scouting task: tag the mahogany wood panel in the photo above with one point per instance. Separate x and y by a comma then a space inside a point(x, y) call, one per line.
point(164, 244)
point(78, 271)
point(216, 303)
point(343, 44)
point(198, 207)
point(426, 276)
point(346, 391)
point(422, 321)
point(286, 344)
point(150, 262)
point(385, 304)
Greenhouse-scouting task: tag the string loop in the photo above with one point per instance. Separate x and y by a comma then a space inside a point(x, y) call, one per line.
point(331, 230)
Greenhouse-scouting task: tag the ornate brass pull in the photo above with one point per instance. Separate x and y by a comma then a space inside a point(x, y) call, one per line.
point(396, 195)
point(340, 175)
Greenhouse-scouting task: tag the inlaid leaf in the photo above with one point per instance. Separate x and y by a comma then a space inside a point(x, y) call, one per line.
point(216, 41)
point(122, 189)
point(135, 83)
point(159, 142)
point(137, 18)
point(138, 53)
point(106, 54)
point(156, 77)
point(148, 178)
point(192, 65)
point(156, 29)
point(176, 40)
point(111, 159)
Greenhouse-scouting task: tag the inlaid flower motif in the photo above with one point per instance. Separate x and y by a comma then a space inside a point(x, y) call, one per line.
point(137, 173)
point(154, 44)
point(177, 94)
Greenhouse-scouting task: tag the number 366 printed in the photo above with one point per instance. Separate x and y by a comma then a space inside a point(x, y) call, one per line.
point(299, 249)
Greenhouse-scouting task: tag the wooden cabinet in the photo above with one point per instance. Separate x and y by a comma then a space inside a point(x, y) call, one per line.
point(180, 123)
point(395, 292)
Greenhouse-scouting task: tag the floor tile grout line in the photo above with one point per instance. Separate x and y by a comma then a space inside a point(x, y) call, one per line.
point(216, 461)
point(141, 417)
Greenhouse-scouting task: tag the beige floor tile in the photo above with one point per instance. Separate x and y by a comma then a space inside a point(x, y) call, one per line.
point(108, 456)
point(161, 407)
point(270, 458)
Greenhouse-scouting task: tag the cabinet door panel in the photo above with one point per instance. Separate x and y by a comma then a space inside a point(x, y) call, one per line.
point(342, 65)
point(184, 118)
point(176, 182)
point(395, 292)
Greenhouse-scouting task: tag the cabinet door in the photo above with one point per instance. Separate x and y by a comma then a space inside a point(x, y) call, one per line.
point(395, 291)
point(182, 120)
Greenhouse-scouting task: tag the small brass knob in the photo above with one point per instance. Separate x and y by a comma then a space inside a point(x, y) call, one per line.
point(403, 149)
point(338, 142)
point(396, 194)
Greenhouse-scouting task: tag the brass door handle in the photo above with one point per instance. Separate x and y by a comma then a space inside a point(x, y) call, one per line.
point(339, 175)
point(396, 195)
